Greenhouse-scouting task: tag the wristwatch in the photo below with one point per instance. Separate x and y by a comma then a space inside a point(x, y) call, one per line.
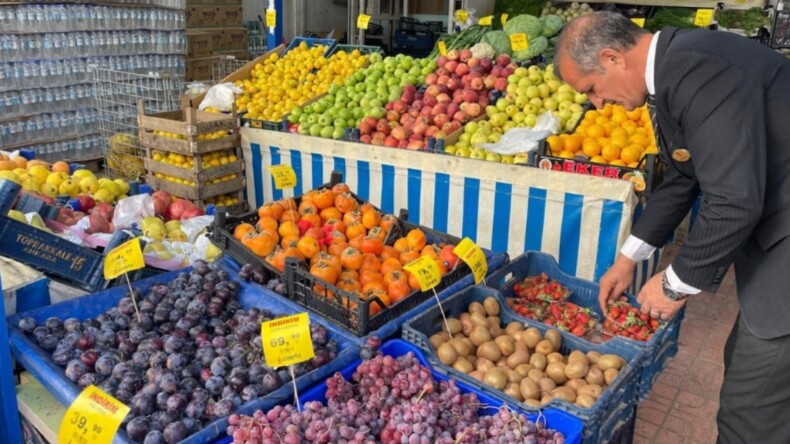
point(669, 292)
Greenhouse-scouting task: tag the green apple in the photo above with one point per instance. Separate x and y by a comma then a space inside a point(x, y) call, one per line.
point(521, 159)
point(507, 159)
point(533, 92)
point(477, 153)
point(531, 120)
point(518, 117)
point(338, 133)
point(315, 130)
point(463, 152)
point(450, 149)
point(493, 157)
point(326, 132)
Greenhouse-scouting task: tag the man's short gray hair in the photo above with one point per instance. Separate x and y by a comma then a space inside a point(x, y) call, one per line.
point(583, 39)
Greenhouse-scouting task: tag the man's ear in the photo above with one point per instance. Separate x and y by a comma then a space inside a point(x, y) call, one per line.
point(609, 57)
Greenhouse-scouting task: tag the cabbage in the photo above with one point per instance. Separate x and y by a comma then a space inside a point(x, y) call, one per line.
point(499, 40)
point(527, 24)
point(535, 48)
point(551, 25)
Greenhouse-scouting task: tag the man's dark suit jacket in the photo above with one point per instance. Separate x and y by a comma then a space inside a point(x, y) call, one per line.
point(726, 100)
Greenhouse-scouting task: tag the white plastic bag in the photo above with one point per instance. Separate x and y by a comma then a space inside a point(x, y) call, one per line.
point(524, 140)
point(194, 226)
point(221, 97)
point(132, 209)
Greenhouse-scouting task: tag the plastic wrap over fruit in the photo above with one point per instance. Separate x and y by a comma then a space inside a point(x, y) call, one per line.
point(132, 209)
point(221, 97)
point(520, 140)
point(169, 255)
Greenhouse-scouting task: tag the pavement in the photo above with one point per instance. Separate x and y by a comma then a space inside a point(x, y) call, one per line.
point(682, 406)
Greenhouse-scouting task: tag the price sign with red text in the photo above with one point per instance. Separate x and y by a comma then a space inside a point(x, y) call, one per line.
point(93, 418)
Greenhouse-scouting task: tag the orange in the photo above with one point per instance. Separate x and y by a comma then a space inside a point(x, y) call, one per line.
point(595, 131)
point(619, 116)
point(617, 131)
point(633, 165)
point(598, 159)
point(630, 154)
point(7, 165)
point(639, 139)
point(634, 114)
point(601, 120)
point(619, 141)
point(20, 161)
point(591, 148)
point(606, 111)
point(611, 152)
point(566, 155)
point(591, 114)
point(573, 143)
point(617, 162)
point(60, 166)
point(554, 143)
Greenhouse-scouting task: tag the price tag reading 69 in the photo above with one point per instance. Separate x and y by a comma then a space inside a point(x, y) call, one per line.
point(287, 341)
point(93, 418)
point(425, 271)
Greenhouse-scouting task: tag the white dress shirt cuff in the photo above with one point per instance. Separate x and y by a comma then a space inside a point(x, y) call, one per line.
point(677, 285)
point(636, 249)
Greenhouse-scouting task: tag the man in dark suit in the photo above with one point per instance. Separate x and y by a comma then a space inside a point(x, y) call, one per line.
point(721, 107)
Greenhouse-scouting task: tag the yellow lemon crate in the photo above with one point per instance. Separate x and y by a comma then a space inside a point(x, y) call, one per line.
point(201, 169)
point(201, 194)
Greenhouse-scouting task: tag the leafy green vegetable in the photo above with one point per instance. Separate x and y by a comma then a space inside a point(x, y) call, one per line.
point(676, 17)
point(750, 20)
point(515, 7)
point(535, 48)
point(499, 40)
point(527, 24)
point(551, 25)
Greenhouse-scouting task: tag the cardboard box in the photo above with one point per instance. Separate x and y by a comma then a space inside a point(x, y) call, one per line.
point(213, 3)
point(231, 16)
point(239, 54)
point(214, 34)
point(203, 16)
point(233, 38)
point(199, 44)
point(200, 69)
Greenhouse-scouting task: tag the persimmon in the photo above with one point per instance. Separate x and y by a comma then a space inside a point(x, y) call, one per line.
point(337, 248)
point(355, 229)
point(356, 242)
point(272, 210)
point(345, 202)
point(316, 233)
point(398, 290)
point(288, 204)
point(377, 232)
point(336, 237)
point(382, 296)
point(259, 243)
point(448, 256)
point(313, 218)
point(395, 275)
point(370, 262)
point(330, 213)
point(289, 241)
point(308, 246)
point(372, 245)
point(307, 208)
point(349, 274)
point(408, 255)
point(336, 225)
point(277, 259)
point(290, 215)
point(443, 270)
point(371, 218)
point(374, 285)
point(293, 252)
point(340, 188)
point(387, 222)
point(271, 233)
point(389, 252)
point(242, 229)
point(414, 284)
point(401, 245)
point(390, 264)
point(325, 272)
point(352, 216)
point(323, 256)
point(288, 228)
point(430, 250)
point(267, 223)
point(351, 258)
point(369, 276)
point(324, 198)
point(308, 196)
point(416, 239)
point(351, 285)
point(366, 206)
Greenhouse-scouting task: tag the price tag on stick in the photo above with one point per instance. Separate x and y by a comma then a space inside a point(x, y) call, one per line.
point(283, 175)
point(363, 21)
point(93, 418)
point(123, 259)
point(271, 18)
point(473, 256)
point(503, 19)
point(640, 21)
point(461, 16)
point(519, 42)
point(426, 271)
point(486, 21)
point(703, 17)
point(442, 48)
point(286, 341)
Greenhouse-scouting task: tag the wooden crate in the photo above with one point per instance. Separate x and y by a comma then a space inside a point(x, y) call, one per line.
point(197, 174)
point(198, 193)
point(190, 123)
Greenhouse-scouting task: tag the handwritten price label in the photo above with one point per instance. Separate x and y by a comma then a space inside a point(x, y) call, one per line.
point(503, 19)
point(283, 175)
point(286, 341)
point(123, 259)
point(442, 48)
point(703, 17)
point(519, 42)
point(93, 418)
point(461, 16)
point(362, 21)
point(426, 271)
point(271, 18)
point(473, 256)
point(639, 22)
point(486, 21)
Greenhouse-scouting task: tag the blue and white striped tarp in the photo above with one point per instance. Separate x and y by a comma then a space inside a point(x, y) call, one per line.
point(581, 220)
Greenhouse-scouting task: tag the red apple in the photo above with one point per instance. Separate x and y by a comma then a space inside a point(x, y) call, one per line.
point(451, 66)
point(465, 54)
point(414, 112)
point(447, 127)
point(429, 100)
point(442, 71)
point(486, 63)
point(443, 98)
point(393, 115)
point(388, 106)
point(403, 143)
point(501, 84)
point(473, 109)
point(462, 69)
point(443, 80)
point(383, 127)
point(483, 101)
point(469, 95)
point(490, 81)
point(497, 71)
point(452, 55)
point(390, 142)
point(477, 84)
point(453, 108)
point(410, 89)
point(455, 124)
point(415, 145)
point(432, 130)
point(419, 104)
point(440, 108)
point(378, 139)
point(420, 127)
point(441, 61)
point(432, 91)
point(461, 116)
point(508, 71)
point(441, 119)
point(454, 84)
point(444, 89)
point(365, 138)
point(503, 60)
point(473, 61)
point(426, 111)
point(399, 107)
point(365, 127)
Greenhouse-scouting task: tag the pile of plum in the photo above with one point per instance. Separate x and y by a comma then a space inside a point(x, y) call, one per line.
point(194, 356)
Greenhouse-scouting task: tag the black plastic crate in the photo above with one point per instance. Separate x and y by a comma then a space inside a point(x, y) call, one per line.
point(411, 25)
point(415, 40)
point(353, 312)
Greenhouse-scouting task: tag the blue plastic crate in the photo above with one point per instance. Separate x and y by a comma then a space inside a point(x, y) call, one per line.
point(569, 426)
point(329, 43)
point(585, 294)
point(40, 364)
point(610, 408)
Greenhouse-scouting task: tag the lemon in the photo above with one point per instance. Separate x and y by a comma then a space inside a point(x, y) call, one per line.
point(122, 185)
point(10, 175)
point(103, 195)
point(82, 173)
point(39, 171)
point(55, 179)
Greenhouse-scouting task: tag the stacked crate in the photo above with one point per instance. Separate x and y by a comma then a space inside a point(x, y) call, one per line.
point(204, 150)
point(216, 29)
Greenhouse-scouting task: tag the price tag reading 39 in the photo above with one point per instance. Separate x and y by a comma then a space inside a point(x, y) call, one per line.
point(425, 271)
point(93, 418)
point(473, 256)
point(123, 259)
point(363, 21)
point(518, 42)
point(271, 18)
point(286, 341)
point(703, 17)
point(283, 175)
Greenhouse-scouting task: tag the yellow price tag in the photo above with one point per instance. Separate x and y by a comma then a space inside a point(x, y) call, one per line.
point(519, 42)
point(426, 271)
point(461, 16)
point(283, 175)
point(503, 19)
point(123, 259)
point(271, 18)
point(639, 21)
point(703, 17)
point(93, 417)
point(442, 48)
point(486, 21)
point(473, 256)
point(362, 21)
point(286, 341)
